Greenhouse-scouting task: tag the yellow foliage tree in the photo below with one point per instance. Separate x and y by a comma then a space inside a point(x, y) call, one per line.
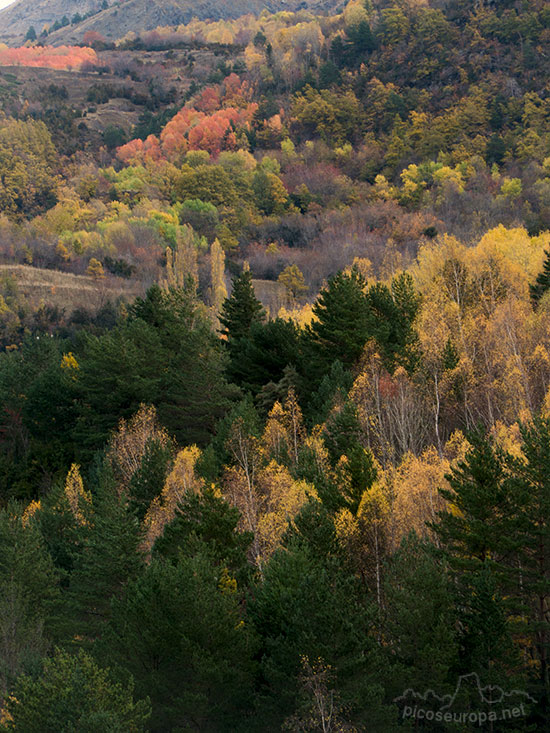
point(217, 276)
point(181, 480)
point(128, 445)
point(78, 498)
point(182, 266)
point(95, 269)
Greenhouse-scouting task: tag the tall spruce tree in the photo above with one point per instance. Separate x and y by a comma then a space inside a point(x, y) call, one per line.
point(331, 622)
point(73, 694)
point(531, 530)
point(542, 283)
point(165, 354)
point(108, 559)
point(28, 597)
point(178, 630)
point(477, 528)
point(418, 620)
point(241, 310)
point(342, 325)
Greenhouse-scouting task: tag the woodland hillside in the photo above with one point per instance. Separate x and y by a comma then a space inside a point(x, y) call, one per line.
point(275, 371)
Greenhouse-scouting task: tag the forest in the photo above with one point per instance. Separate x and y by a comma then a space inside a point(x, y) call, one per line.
point(289, 468)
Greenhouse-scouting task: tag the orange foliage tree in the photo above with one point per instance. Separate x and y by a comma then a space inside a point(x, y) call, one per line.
point(212, 124)
point(48, 57)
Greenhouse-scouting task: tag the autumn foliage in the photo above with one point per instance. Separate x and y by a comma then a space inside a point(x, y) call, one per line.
point(48, 57)
point(213, 124)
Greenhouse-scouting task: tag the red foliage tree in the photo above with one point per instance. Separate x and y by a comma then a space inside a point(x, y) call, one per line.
point(49, 57)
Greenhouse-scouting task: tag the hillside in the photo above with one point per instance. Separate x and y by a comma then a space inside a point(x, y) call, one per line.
point(65, 290)
point(130, 16)
point(275, 369)
point(16, 19)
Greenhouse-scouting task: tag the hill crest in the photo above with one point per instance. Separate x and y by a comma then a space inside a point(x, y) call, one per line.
point(120, 18)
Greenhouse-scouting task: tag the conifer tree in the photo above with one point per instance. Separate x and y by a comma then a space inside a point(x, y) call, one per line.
point(418, 621)
point(71, 694)
point(477, 527)
point(342, 324)
point(542, 283)
point(109, 558)
point(206, 523)
point(264, 354)
point(178, 631)
point(531, 533)
point(342, 431)
point(28, 594)
point(331, 620)
point(361, 474)
point(241, 310)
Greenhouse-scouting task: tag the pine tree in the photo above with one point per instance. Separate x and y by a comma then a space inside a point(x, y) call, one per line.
point(264, 354)
point(531, 531)
point(206, 523)
point(486, 645)
point(29, 592)
point(393, 310)
point(342, 324)
point(241, 310)
point(361, 474)
point(147, 482)
point(73, 693)
point(542, 283)
point(477, 528)
point(331, 621)
point(342, 431)
point(418, 621)
point(178, 630)
point(165, 354)
point(109, 558)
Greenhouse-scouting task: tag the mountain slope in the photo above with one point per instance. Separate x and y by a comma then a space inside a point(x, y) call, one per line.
point(16, 19)
point(131, 15)
point(143, 15)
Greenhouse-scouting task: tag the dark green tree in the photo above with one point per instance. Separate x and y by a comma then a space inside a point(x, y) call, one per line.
point(361, 473)
point(542, 283)
point(477, 527)
point(393, 311)
point(485, 630)
point(148, 480)
point(531, 535)
point(360, 43)
point(74, 694)
point(166, 354)
point(28, 597)
point(329, 74)
point(179, 631)
point(342, 431)
point(206, 523)
point(333, 388)
point(418, 621)
point(342, 325)
point(108, 559)
point(264, 353)
point(241, 309)
point(331, 621)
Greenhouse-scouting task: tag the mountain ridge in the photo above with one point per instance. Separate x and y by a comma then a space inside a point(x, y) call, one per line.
point(16, 19)
point(120, 18)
